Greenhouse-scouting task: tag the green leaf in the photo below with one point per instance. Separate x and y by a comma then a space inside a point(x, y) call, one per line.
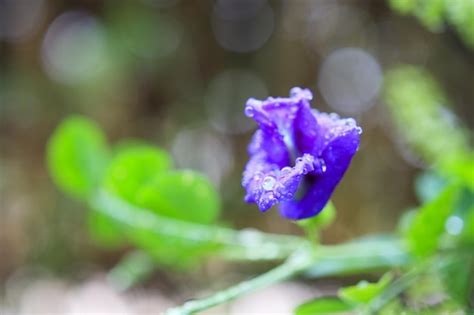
point(428, 185)
point(468, 232)
point(403, 6)
point(457, 277)
point(132, 166)
point(429, 223)
point(432, 14)
point(460, 166)
point(183, 195)
point(104, 230)
point(364, 292)
point(77, 156)
point(415, 101)
point(323, 306)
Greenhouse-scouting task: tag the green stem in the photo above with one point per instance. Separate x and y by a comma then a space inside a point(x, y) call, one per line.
point(133, 268)
point(246, 244)
point(428, 266)
point(313, 262)
point(254, 245)
point(296, 263)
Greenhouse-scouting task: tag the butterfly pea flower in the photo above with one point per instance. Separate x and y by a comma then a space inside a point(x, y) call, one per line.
point(298, 155)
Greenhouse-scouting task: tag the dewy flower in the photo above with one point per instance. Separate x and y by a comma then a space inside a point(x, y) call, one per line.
point(298, 155)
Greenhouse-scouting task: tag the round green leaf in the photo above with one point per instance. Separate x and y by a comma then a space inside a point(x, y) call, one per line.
point(77, 156)
point(182, 195)
point(132, 168)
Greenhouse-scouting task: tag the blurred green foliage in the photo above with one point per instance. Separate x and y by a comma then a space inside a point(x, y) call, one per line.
point(438, 233)
point(139, 174)
point(77, 156)
point(429, 223)
point(132, 167)
point(441, 226)
point(434, 14)
point(363, 292)
point(350, 299)
point(323, 306)
point(181, 195)
point(417, 105)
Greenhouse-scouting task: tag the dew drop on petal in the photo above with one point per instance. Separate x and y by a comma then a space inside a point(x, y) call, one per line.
point(349, 122)
point(334, 116)
point(268, 182)
point(323, 166)
point(320, 165)
point(249, 111)
point(285, 170)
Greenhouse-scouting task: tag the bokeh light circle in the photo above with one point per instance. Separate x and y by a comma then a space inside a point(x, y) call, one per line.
point(74, 48)
point(205, 151)
point(242, 25)
point(226, 96)
point(350, 80)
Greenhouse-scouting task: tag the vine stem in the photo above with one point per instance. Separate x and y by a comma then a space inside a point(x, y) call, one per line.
point(296, 263)
point(301, 256)
point(247, 244)
point(313, 262)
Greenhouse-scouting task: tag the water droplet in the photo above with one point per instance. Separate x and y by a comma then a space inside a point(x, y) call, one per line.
point(320, 164)
point(268, 182)
point(285, 170)
point(323, 166)
point(299, 160)
point(270, 197)
point(359, 130)
point(334, 116)
point(249, 111)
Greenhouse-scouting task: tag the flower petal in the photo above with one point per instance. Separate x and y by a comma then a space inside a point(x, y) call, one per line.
point(267, 184)
point(337, 155)
point(277, 114)
point(289, 128)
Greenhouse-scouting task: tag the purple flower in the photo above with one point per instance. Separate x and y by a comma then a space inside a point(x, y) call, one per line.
point(298, 156)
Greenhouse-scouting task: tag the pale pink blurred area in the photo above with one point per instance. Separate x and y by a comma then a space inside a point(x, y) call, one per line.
point(95, 296)
point(92, 296)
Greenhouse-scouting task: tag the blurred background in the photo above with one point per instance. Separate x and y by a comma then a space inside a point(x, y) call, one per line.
point(177, 74)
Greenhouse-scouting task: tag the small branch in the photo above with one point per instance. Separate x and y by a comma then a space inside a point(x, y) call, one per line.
point(255, 245)
point(428, 266)
point(131, 269)
point(313, 262)
point(246, 244)
point(295, 264)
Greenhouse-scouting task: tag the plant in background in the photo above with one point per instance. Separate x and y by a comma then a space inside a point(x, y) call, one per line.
point(435, 14)
point(297, 157)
